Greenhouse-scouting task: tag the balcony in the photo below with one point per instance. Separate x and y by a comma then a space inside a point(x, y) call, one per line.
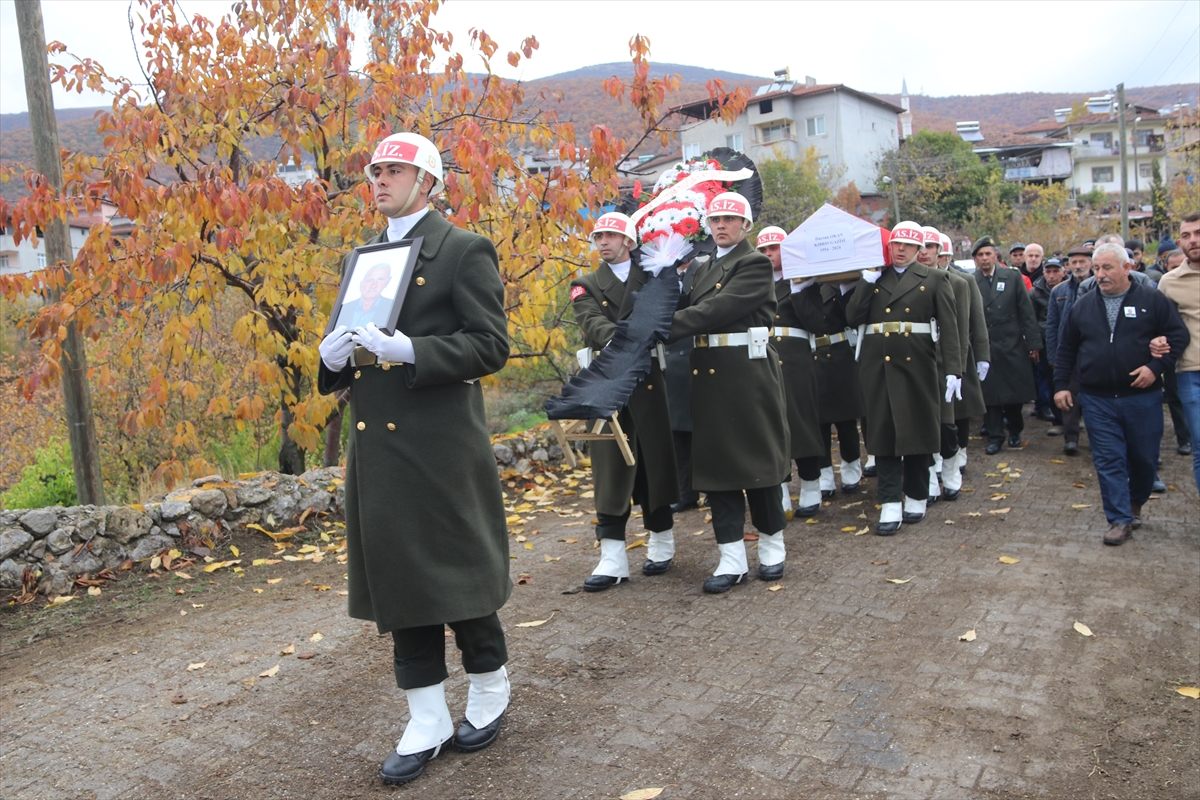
point(772, 134)
point(1081, 151)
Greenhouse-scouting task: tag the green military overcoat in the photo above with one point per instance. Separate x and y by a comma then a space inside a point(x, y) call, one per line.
point(425, 528)
point(838, 389)
point(739, 425)
point(800, 390)
point(646, 419)
point(1012, 332)
point(899, 372)
point(962, 304)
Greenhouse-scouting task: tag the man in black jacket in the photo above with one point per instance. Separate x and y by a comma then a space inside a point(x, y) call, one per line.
point(1107, 338)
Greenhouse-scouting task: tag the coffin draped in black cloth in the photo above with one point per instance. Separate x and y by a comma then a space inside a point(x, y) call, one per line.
point(605, 386)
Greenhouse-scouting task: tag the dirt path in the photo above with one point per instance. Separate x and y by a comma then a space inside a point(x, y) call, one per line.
point(838, 685)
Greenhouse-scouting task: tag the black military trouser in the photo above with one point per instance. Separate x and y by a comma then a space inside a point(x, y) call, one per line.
point(950, 438)
point(963, 431)
point(612, 526)
point(683, 465)
point(729, 512)
point(419, 654)
point(996, 418)
point(903, 476)
point(847, 431)
point(1073, 415)
point(809, 469)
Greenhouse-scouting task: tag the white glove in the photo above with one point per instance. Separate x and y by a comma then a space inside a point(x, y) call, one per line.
point(847, 288)
point(800, 287)
point(870, 276)
point(336, 348)
point(982, 368)
point(953, 388)
point(397, 347)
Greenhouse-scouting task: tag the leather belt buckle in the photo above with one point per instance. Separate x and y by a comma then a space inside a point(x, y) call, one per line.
point(364, 357)
point(823, 341)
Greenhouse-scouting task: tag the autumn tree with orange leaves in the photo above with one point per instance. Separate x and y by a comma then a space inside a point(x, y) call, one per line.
point(215, 227)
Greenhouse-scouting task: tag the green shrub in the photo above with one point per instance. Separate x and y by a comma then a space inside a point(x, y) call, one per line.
point(48, 481)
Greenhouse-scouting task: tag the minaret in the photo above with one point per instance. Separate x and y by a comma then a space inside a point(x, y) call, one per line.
point(906, 115)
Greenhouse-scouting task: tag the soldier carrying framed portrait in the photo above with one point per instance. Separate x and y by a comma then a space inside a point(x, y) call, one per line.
point(374, 285)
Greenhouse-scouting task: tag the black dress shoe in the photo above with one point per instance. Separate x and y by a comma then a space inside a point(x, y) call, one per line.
point(1158, 487)
point(468, 738)
point(933, 498)
point(827, 493)
point(684, 505)
point(950, 494)
point(718, 584)
point(598, 583)
point(912, 517)
point(870, 472)
point(887, 528)
point(992, 448)
point(983, 431)
point(1014, 440)
point(808, 511)
point(1184, 449)
point(1071, 448)
point(771, 573)
point(398, 769)
point(655, 567)
point(849, 488)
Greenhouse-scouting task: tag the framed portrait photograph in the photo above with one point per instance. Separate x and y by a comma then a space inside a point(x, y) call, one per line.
point(373, 288)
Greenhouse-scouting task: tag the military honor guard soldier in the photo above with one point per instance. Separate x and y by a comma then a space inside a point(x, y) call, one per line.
point(904, 310)
point(600, 300)
point(794, 343)
point(974, 368)
point(425, 530)
point(740, 449)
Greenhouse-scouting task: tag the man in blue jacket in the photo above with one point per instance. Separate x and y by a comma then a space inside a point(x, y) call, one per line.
point(1106, 339)
point(1062, 298)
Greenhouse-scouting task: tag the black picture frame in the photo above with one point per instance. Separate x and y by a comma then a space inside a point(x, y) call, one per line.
point(400, 258)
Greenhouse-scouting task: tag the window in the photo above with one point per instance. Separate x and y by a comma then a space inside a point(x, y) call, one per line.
point(1102, 174)
point(1144, 170)
point(1101, 140)
point(691, 150)
point(816, 126)
point(765, 106)
point(734, 142)
point(774, 133)
point(41, 260)
point(3, 262)
point(822, 161)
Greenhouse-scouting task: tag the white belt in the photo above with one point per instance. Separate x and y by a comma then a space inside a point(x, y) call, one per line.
point(722, 340)
point(888, 328)
point(832, 338)
point(798, 333)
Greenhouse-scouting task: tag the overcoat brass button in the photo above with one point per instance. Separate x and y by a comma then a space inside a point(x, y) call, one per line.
point(779, 338)
point(886, 334)
point(603, 302)
point(922, 287)
point(907, 310)
point(776, 316)
point(887, 358)
point(718, 286)
point(358, 373)
point(908, 358)
point(649, 387)
point(391, 426)
point(876, 291)
point(362, 426)
point(386, 366)
point(695, 372)
point(829, 355)
point(906, 334)
point(888, 310)
point(712, 372)
point(420, 281)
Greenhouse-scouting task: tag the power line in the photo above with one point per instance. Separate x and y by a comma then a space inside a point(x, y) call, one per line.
point(1171, 64)
point(1166, 30)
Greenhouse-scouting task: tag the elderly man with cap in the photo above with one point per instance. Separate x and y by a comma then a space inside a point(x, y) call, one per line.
point(1015, 340)
point(904, 312)
point(740, 448)
point(1016, 258)
point(1062, 300)
point(600, 300)
point(425, 530)
point(794, 321)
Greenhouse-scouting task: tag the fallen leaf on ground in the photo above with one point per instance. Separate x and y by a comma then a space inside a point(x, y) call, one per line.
point(638, 543)
point(1008, 560)
point(306, 656)
point(1002, 465)
point(1081, 505)
point(524, 580)
point(862, 530)
point(898, 580)
point(1078, 485)
point(270, 673)
point(183, 575)
point(551, 558)
point(973, 514)
point(1083, 629)
point(881, 563)
point(274, 580)
point(316, 637)
point(1000, 510)
point(999, 495)
point(287, 651)
point(1057, 461)
point(949, 522)
point(61, 600)
point(852, 505)
point(810, 521)
point(94, 591)
point(642, 794)
point(258, 591)
point(529, 545)
point(156, 562)
point(969, 636)
point(698, 533)
point(275, 537)
point(848, 529)
point(264, 562)
point(1189, 691)
point(775, 588)
point(233, 549)
point(535, 623)
point(197, 605)
point(322, 588)
point(750, 537)
point(196, 666)
point(522, 539)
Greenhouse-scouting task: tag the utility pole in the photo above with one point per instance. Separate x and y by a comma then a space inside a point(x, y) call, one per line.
point(1124, 176)
point(895, 198)
point(47, 159)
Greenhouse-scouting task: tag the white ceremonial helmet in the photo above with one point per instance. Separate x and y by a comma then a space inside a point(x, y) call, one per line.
point(410, 148)
point(947, 248)
point(932, 236)
point(771, 234)
point(909, 232)
point(730, 204)
point(615, 221)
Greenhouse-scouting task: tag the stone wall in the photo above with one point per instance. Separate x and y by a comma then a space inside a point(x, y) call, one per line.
point(57, 545)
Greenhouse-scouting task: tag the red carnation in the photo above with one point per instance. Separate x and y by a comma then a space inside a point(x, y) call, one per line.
point(637, 190)
point(687, 226)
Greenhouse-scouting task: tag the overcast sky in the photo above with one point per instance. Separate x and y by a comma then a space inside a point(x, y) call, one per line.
point(942, 48)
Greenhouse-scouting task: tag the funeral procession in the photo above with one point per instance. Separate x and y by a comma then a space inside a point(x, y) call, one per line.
point(745, 434)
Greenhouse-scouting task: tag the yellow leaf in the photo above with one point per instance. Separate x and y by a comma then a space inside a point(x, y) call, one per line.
point(322, 588)
point(969, 636)
point(274, 580)
point(262, 562)
point(1081, 505)
point(1009, 560)
point(258, 591)
point(898, 580)
point(529, 545)
point(570, 540)
point(292, 558)
point(233, 549)
point(269, 673)
point(848, 529)
point(1000, 510)
point(61, 600)
point(522, 539)
point(94, 591)
point(216, 565)
point(642, 794)
point(862, 530)
point(550, 558)
point(196, 666)
point(183, 575)
point(1002, 465)
point(949, 521)
point(308, 548)
point(775, 588)
point(197, 605)
point(1189, 691)
point(287, 651)
point(810, 521)
point(1057, 461)
point(1083, 629)
point(156, 562)
point(316, 637)
point(535, 622)
point(973, 514)
point(638, 543)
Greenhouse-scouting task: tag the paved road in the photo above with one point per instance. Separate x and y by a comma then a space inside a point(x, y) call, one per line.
point(838, 685)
